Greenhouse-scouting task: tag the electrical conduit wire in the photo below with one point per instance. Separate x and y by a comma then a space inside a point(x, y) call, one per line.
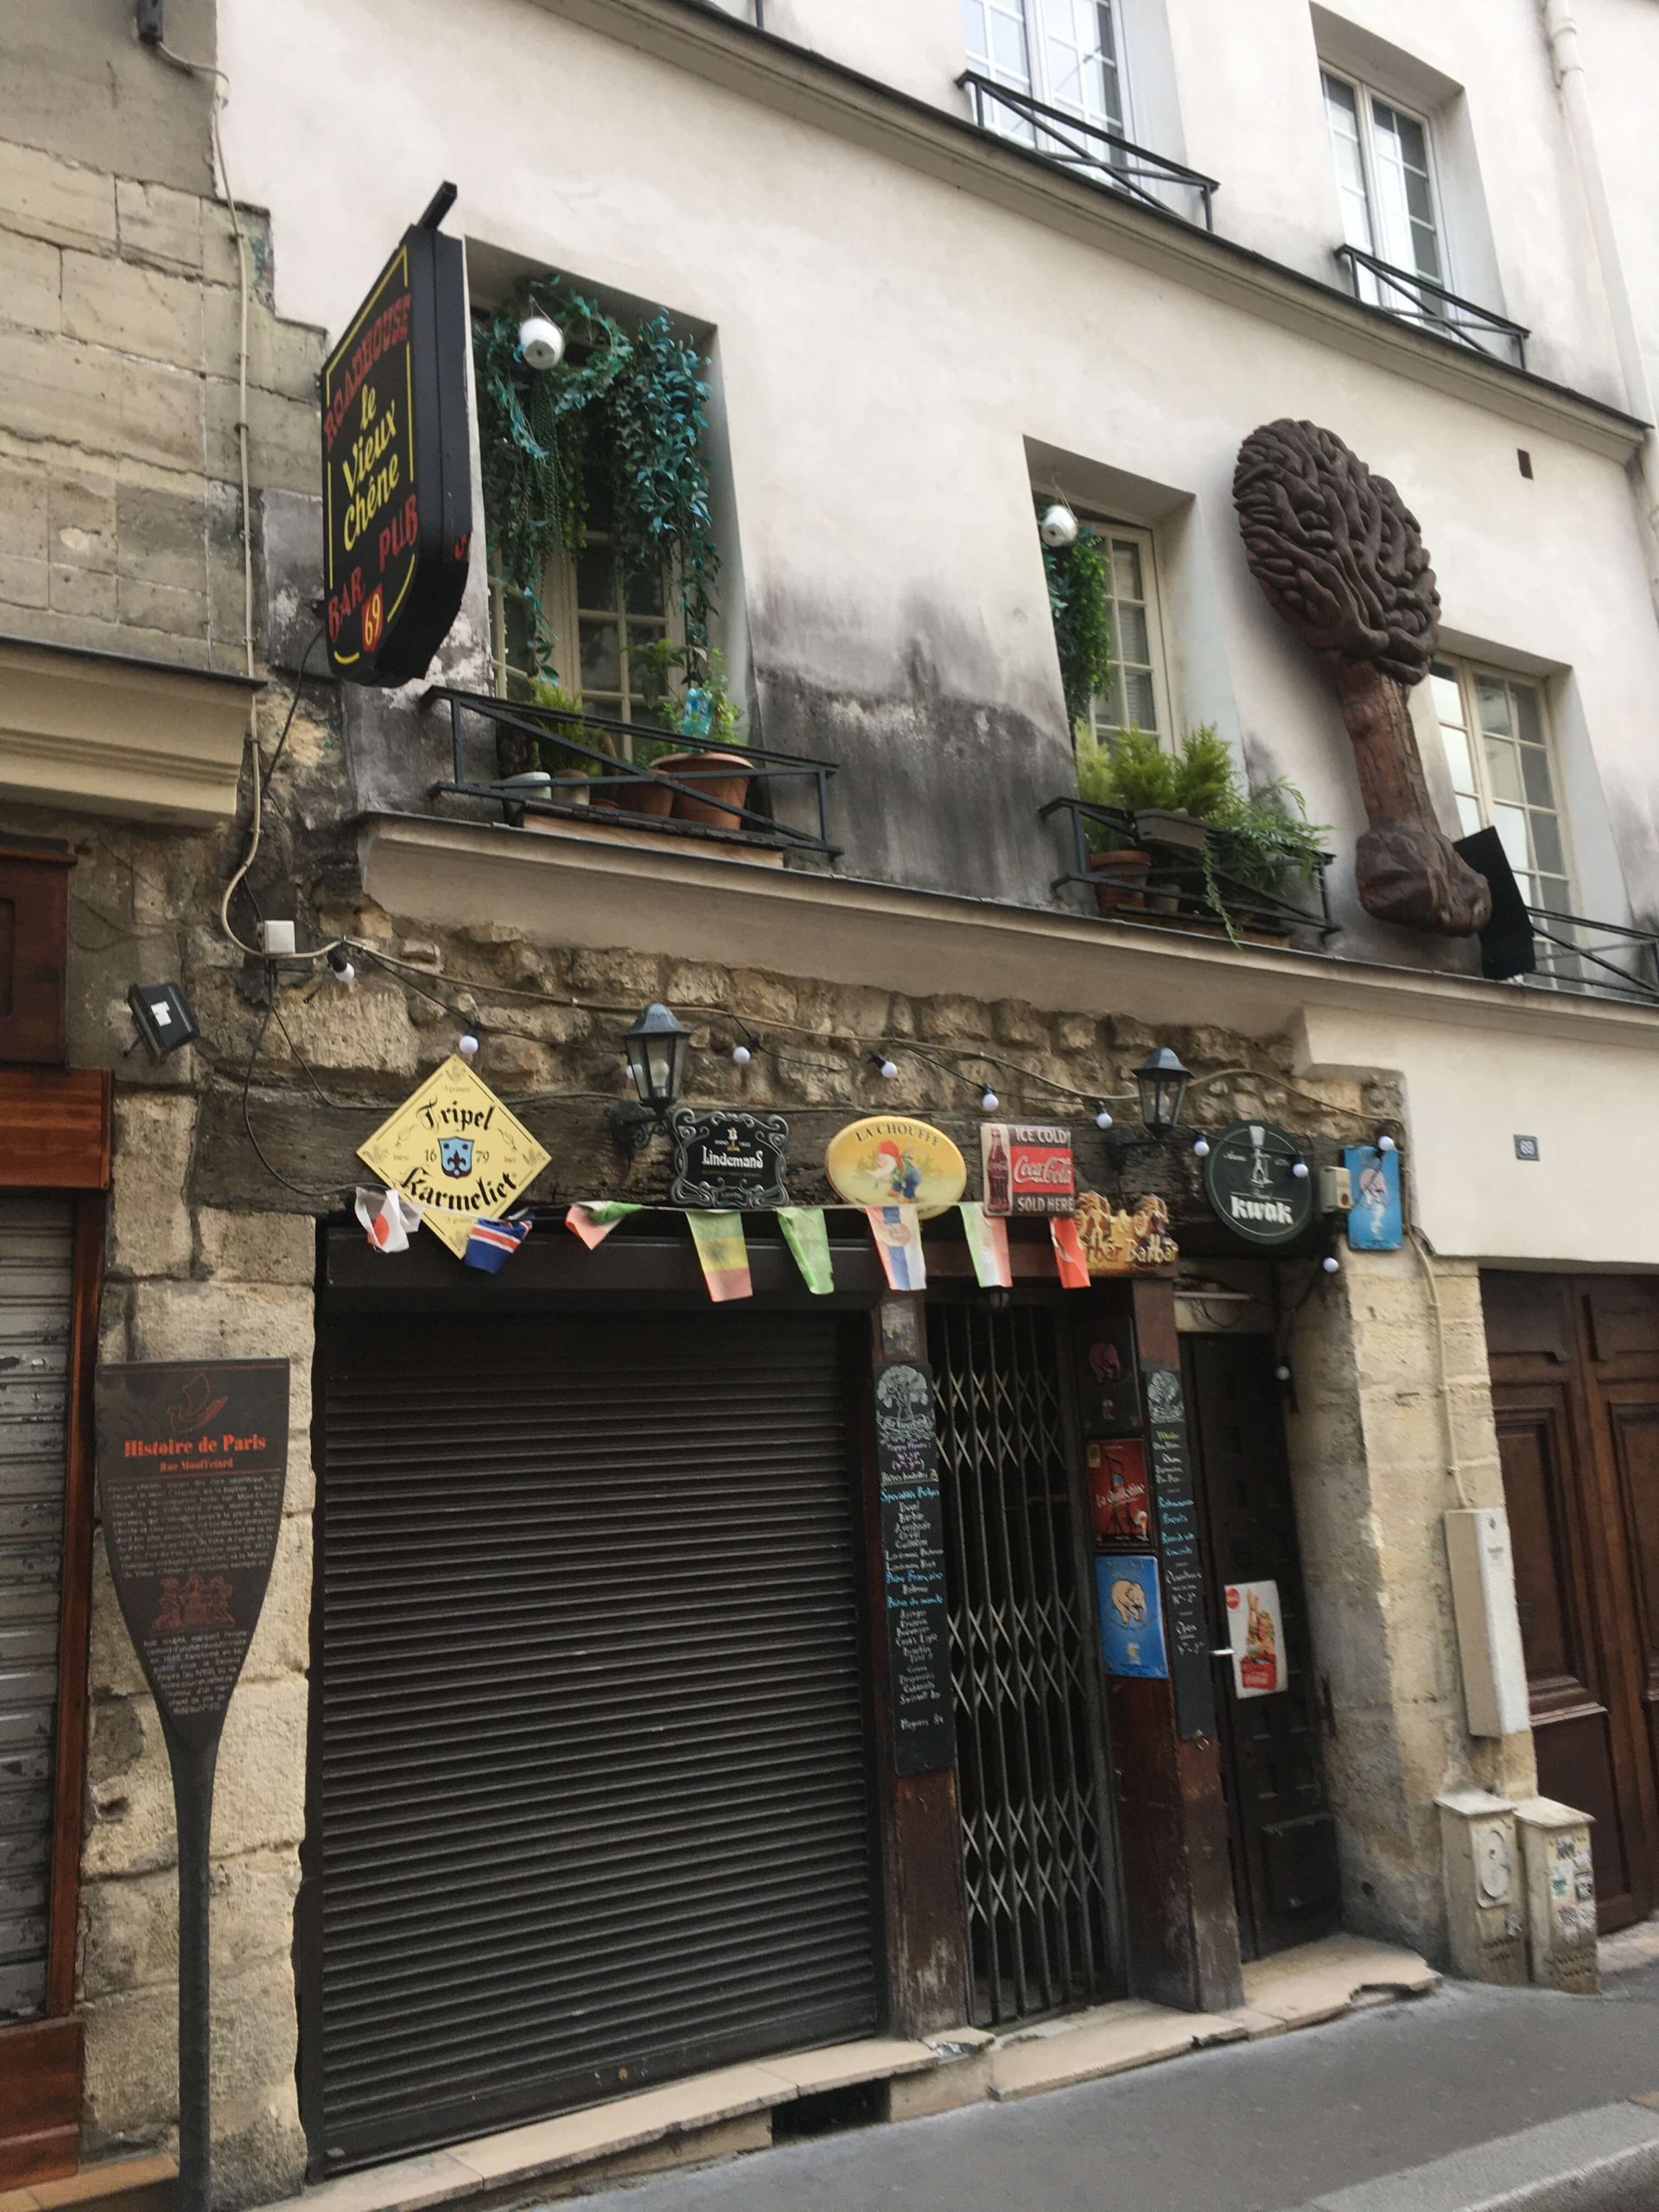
point(1453, 1458)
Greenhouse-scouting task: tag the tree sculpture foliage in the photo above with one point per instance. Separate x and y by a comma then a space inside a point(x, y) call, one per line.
point(1340, 556)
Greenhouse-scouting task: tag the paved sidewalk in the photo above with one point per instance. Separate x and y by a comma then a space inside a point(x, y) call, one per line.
point(1258, 2128)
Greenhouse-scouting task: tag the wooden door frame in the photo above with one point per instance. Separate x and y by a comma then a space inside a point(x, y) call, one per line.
point(54, 1142)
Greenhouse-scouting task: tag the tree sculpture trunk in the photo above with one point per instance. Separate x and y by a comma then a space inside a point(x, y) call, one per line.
point(1340, 556)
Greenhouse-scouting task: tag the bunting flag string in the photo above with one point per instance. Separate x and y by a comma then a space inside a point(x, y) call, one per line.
point(1068, 1251)
point(389, 1220)
point(987, 1242)
point(593, 1223)
point(492, 1243)
point(722, 1252)
point(898, 1235)
point(807, 1234)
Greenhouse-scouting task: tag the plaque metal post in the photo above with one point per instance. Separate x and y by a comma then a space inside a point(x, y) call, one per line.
point(193, 1766)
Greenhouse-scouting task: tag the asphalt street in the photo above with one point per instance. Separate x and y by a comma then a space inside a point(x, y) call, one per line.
point(1256, 2128)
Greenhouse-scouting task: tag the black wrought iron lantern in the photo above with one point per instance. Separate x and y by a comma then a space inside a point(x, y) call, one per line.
point(655, 1043)
point(1161, 1081)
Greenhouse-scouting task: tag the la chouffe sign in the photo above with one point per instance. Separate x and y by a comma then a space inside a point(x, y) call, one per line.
point(456, 1151)
point(396, 489)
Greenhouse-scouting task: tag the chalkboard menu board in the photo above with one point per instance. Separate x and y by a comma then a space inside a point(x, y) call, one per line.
point(1188, 1637)
point(912, 1553)
point(191, 1460)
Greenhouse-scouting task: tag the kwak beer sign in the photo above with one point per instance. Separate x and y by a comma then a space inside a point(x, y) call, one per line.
point(397, 488)
point(456, 1151)
point(1258, 1183)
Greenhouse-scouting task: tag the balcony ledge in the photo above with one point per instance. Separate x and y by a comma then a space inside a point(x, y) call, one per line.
point(573, 889)
point(112, 733)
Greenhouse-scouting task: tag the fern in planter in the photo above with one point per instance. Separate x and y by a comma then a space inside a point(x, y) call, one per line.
point(1079, 603)
point(627, 404)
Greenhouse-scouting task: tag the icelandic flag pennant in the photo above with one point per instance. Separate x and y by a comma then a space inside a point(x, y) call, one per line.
point(1068, 1251)
point(723, 1254)
point(388, 1218)
point(492, 1243)
point(988, 1242)
point(594, 1223)
point(808, 1238)
point(898, 1235)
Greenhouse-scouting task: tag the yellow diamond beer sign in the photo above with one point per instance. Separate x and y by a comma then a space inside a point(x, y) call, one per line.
point(455, 1150)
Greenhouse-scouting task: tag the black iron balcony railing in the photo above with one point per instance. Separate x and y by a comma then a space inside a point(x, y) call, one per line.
point(1603, 960)
point(1431, 308)
point(1183, 889)
point(1089, 150)
point(584, 760)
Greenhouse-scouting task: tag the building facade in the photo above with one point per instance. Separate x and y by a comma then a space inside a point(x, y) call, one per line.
point(569, 1756)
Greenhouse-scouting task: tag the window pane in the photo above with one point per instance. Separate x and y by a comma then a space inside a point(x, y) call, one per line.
point(1142, 700)
point(1126, 568)
point(1009, 49)
point(1504, 769)
point(1535, 768)
point(645, 593)
point(1547, 844)
point(1552, 893)
point(1447, 691)
point(1468, 817)
point(1511, 823)
point(595, 577)
point(1080, 61)
point(1492, 705)
point(1527, 718)
point(601, 663)
point(1134, 645)
point(1458, 758)
point(1343, 116)
point(1405, 203)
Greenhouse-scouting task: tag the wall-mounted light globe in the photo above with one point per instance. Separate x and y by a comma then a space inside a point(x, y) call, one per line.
point(541, 342)
point(1058, 526)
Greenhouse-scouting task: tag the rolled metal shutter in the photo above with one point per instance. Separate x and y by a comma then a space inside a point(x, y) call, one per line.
point(36, 1306)
point(589, 1799)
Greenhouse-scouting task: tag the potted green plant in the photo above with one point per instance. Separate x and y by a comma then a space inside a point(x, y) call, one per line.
point(706, 710)
point(1122, 869)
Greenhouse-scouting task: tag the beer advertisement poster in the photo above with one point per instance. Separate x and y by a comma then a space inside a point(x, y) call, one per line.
point(1027, 1167)
point(1256, 1631)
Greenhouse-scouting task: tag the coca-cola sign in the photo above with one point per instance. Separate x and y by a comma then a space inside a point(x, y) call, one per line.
point(1028, 1167)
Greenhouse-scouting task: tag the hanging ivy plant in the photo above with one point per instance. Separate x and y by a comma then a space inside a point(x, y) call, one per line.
point(626, 405)
point(1079, 601)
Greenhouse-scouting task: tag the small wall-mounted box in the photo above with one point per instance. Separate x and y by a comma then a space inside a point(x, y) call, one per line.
point(1485, 1900)
point(1489, 1628)
point(1561, 1895)
point(1336, 1191)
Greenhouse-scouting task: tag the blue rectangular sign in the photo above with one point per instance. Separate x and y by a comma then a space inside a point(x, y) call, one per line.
point(1131, 1614)
point(1376, 1222)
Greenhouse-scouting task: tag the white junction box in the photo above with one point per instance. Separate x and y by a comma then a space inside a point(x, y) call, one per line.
point(1489, 1628)
point(1560, 1894)
point(1485, 1903)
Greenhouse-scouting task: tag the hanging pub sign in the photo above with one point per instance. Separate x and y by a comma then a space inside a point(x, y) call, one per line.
point(1126, 1242)
point(454, 1149)
point(1252, 1182)
point(913, 1570)
point(397, 480)
point(728, 1160)
point(1028, 1167)
point(891, 1159)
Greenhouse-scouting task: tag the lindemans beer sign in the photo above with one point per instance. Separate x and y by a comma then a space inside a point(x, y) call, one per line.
point(396, 484)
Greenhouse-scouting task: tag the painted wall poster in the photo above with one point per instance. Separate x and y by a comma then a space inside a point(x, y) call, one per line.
point(1256, 1632)
point(890, 1159)
point(1117, 1490)
point(1123, 1242)
point(1131, 1616)
point(1377, 1218)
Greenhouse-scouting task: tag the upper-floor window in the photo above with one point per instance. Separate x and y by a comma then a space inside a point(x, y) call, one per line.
point(1385, 177)
point(1138, 698)
point(1067, 53)
point(1497, 740)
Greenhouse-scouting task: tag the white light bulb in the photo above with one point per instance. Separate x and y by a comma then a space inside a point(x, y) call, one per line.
point(1330, 1263)
point(989, 1100)
point(889, 1069)
point(1102, 1119)
point(1282, 1374)
point(1058, 525)
point(541, 342)
point(1385, 1144)
point(345, 973)
point(1300, 1170)
point(468, 1046)
point(1201, 1146)
point(742, 1055)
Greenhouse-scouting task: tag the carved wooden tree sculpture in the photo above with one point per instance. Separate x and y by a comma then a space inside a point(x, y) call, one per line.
point(1340, 556)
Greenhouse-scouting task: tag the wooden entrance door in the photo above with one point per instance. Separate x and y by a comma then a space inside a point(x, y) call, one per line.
point(1281, 1833)
point(1575, 1390)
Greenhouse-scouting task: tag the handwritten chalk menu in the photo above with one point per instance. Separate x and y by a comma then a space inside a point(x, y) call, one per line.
point(912, 1553)
point(191, 1459)
point(1178, 1544)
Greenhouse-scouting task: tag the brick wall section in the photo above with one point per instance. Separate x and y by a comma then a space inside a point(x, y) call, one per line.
point(120, 512)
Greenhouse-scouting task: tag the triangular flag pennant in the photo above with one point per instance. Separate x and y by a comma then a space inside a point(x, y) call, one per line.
point(898, 1235)
point(1068, 1251)
point(988, 1241)
point(388, 1218)
point(594, 1223)
point(492, 1243)
point(808, 1237)
point(723, 1254)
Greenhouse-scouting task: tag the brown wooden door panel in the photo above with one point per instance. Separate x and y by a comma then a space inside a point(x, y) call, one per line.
point(1632, 1413)
point(1535, 1443)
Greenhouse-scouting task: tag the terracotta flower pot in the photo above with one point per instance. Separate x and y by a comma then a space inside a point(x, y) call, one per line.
point(731, 790)
point(652, 799)
point(1122, 873)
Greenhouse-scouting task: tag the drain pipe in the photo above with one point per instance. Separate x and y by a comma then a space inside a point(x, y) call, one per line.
point(1562, 30)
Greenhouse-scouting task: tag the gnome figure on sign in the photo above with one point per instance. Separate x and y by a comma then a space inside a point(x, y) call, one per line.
point(1340, 556)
